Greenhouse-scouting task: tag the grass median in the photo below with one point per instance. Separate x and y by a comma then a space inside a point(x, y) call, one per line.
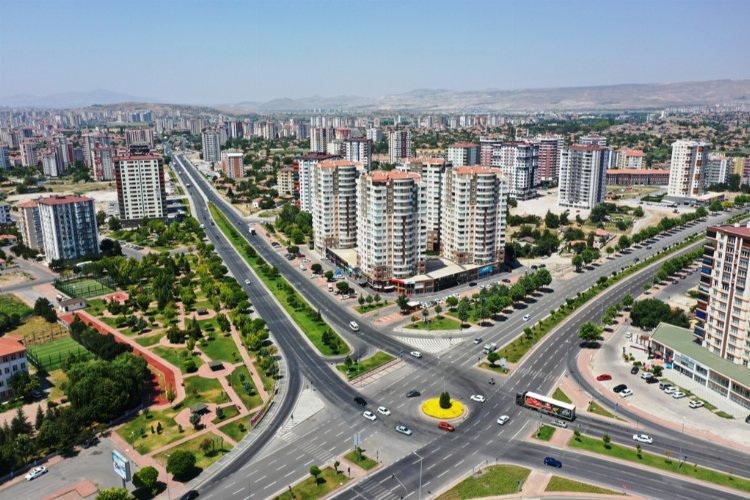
point(492, 481)
point(322, 336)
point(354, 369)
point(668, 462)
point(562, 484)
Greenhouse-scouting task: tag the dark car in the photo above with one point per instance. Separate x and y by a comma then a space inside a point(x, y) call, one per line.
point(619, 388)
point(190, 495)
point(747, 419)
point(360, 401)
point(552, 462)
point(652, 380)
point(413, 394)
point(473, 283)
point(634, 370)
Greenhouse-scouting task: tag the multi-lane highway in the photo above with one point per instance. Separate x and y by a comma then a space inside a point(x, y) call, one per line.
point(439, 458)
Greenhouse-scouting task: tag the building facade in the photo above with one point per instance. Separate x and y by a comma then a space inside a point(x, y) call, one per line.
point(399, 145)
point(519, 162)
point(233, 165)
point(474, 215)
point(549, 158)
point(306, 164)
point(30, 224)
point(432, 172)
point(463, 154)
point(637, 177)
point(719, 169)
point(211, 145)
point(582, 176)
point(630, 159)
point(141, 193)
point(359, 149)
point(12, 361)
point(687, 170)
point(69, 229)
point(334, 214)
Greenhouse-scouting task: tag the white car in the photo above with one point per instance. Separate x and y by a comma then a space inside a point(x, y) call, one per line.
point(527, 317)
point(247, 281)
point(416, 354)
point(628, 335)
point(643, 438)
point(678, 395)
point(370, 416)
point(478, 398)
point(503, 419)
point(695, 403)
point(353, 326)
point(625, 393)
point(36, 472)
point(671, 390)
point(647, 375)
point(384, 411)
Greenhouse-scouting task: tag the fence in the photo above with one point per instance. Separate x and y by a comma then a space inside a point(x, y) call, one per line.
point(86, 286)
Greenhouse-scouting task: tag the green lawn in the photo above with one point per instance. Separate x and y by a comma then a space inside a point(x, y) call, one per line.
point(595, 407)
point(268, 382)
point(361, 460)
point(492, 481)
point(228, 412)
point(203, 390)
point(557, 484)
point(371, 307)
point(237, 429)
point(149, 340)
point(561, 396)
point(437, 323)
point(494, 368)
point(545, 433)
point(660, 462)
point(10, 305)
point(176, 356)
point(327, 481)
point(137, 432)
point(83, 288)
point(302, 313)
point(365, 365)
point(95, 306)
point(238, 385)
point(221, 348)
point(52, 354)
point(218, 448)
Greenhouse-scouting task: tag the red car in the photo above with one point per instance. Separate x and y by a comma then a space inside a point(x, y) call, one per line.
point(604, 376)
point(446, 426)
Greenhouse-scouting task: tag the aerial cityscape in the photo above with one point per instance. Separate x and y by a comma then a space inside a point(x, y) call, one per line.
point(375, 250)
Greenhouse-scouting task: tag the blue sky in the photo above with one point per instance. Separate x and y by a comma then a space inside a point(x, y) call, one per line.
point(217, 51)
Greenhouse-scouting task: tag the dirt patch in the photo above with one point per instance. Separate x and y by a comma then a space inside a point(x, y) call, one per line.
point(12, 278)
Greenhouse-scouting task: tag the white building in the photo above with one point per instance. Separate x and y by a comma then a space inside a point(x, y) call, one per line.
point(399, 145)
point(334, 213)
point(12, 361)
point(374, 134)
point(4, 157)
point(306, 164)
point(319, 138)
point(140, 188)
point(4, 213)
point(104, 166)
point(687, 170)
point(359, 149)
point(28, 154)
point(30, 224)
point(583, 176)
point(211, 145)
point(473, 216)
point(432, 172)
point(390, 238)
point(49, 165)
point(463, 154)
point(69, 228)
point(630, 159)
point(719, 169)
point(519, 162)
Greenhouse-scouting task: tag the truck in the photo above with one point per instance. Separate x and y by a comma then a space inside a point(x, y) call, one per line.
point(546, 404)
point(488, 348)
point(251, 230)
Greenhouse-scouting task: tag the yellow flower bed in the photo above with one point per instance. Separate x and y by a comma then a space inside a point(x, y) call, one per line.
point(431, 408)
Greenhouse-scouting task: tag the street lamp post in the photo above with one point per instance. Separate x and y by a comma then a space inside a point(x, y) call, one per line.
point(419, 495)
point(402, 484)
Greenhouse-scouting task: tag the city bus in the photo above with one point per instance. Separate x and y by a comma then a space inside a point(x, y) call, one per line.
point(546, 404)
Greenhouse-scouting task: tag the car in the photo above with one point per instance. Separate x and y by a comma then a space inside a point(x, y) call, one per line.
point(695, 403)
point(559, 423)
point(648, 247)
point(620, 387)
point(604, 376)
point(478, 398)
point(634, 370)
point(506, 280)
point(416, 354)
point(353, 326)
point(478, 340)
point(35, 473)
point(643, 438)
point(552, 462)
point(247, 281)
point(413, 394)
point(647, 375)
point(625, 393)
point(628, 335)
point(383, 410)
point(678, 395)
point(747, 419)
point(37, 394)
point(526, 317)
point(446, 426)
point(190, 495)
point(670, 389)
point(360, 401)
point(370, 416)
point(404, 430)
point(502, 419)
point(473, 283)
point(652, 380)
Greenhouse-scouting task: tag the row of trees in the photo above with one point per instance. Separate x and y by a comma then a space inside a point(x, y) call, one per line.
point(649, 313)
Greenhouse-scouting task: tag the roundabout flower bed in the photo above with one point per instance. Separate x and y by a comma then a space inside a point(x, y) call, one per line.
point(431, 408)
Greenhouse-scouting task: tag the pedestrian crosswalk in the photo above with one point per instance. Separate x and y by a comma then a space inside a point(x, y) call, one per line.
point(431, 345)
point(537, 375)
point(371, 489)
point(308, 447)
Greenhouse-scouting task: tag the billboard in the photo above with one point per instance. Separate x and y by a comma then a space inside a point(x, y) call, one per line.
point(121, 465)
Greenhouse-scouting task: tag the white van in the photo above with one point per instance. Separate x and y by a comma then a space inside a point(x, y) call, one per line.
point(330, 287)
point(353, 326)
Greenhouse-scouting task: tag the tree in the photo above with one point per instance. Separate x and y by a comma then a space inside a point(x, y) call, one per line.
point(463, 311)
point(606, 440)
point(599, 213)
point(638, 212)
point(445, 400)
point(39, 420)
point(181, 464)
point(578, 262)
point(577, 434)
point(361, 300)
point(343, 287)
point(715, 206)
point(589, 332)
point(623, 242)
point(315, 472)
point(492, 358)
point(114, 494)
point(316, 268)
point(452, 302)
point(329, 275)
point(20, 424)
point(403, 303)
point(649, 313)
point(377, 298)
point(114, 224)
point(44, 309)
point(657, 370)
point(147, 478)
point(425, 314)
point(22, 384)
point(551, 220)
point(336, 467)
point(627, 300)
point(438, 310)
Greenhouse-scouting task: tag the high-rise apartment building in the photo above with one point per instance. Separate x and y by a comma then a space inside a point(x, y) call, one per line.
point(211, 145)
point(374, 134)
point(432, 172)
point(233, 165)
point(463, 154)
point(4, 156)
point(583, 175)
point(319, 138)
point(718, 169)
point(140, 189)
point(139, 136)
point(687, 170)
point(49, 164)
point(519, 162)
point(390, 238)
point(287, 180)
point(334, 213)
point(723, 310)
point(30, 224)
point(359, 149)
point(104, 166)
point(306, 164)
point(593, 140)
point(630, 158)
point(473, 216)
point(69, 228)
point(399, 145)
point(28, 154)
point(549, 157)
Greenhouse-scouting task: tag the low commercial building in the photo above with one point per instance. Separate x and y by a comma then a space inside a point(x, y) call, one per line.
point(12, 361)
point(637, 177)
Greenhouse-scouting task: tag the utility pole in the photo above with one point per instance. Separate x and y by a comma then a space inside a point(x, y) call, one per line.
point(419, 495)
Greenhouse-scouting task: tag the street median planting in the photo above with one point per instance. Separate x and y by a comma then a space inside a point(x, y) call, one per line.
point(318, 486)
point(432, 408)
point(544, 433)
point(561, 484)
point(668, 462)
point(322, 336)
point(358, 458)
point(353, 369)
point(490, 482)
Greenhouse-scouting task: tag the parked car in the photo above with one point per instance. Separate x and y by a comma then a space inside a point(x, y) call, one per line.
point(559, 423)
point(404, 430)
point(446, 426)
point(604, 376)
point(652, 380)
point(634, 370)
point(678, 395)
point(478, 398)
point(190, 495)
point(502, 419)
point(370, 416)
point(552, 462)
point(647, 375)
point(413, 394)
point(360, 401)
point(473, 283)
point(247, 281)
point(620, 387)
point(478, 340)
point(35, 473)
point(671, 390)
point(695, 403)
point(384, 411)
point(643, 438)
point(526, 317)
point(625, 393)
point(416, 354)
point(628, 335)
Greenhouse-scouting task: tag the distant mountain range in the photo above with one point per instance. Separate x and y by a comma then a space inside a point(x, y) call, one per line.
point(594, 98)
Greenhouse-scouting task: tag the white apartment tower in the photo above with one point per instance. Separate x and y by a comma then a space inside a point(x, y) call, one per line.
point(390, 238)
point(463, 154)
point(334, 213)
point(432, 172)
point(28, 154)
point(211, 145)
point(399, 145)
point(69, 228)
point(519, 162)
point(473, 216)
point(140, 189)
point(359, 149)
point(583, 173)
point(319, 138)
point(30, 224)
point(719, 169)
point(306, 164)
point(687, 170)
